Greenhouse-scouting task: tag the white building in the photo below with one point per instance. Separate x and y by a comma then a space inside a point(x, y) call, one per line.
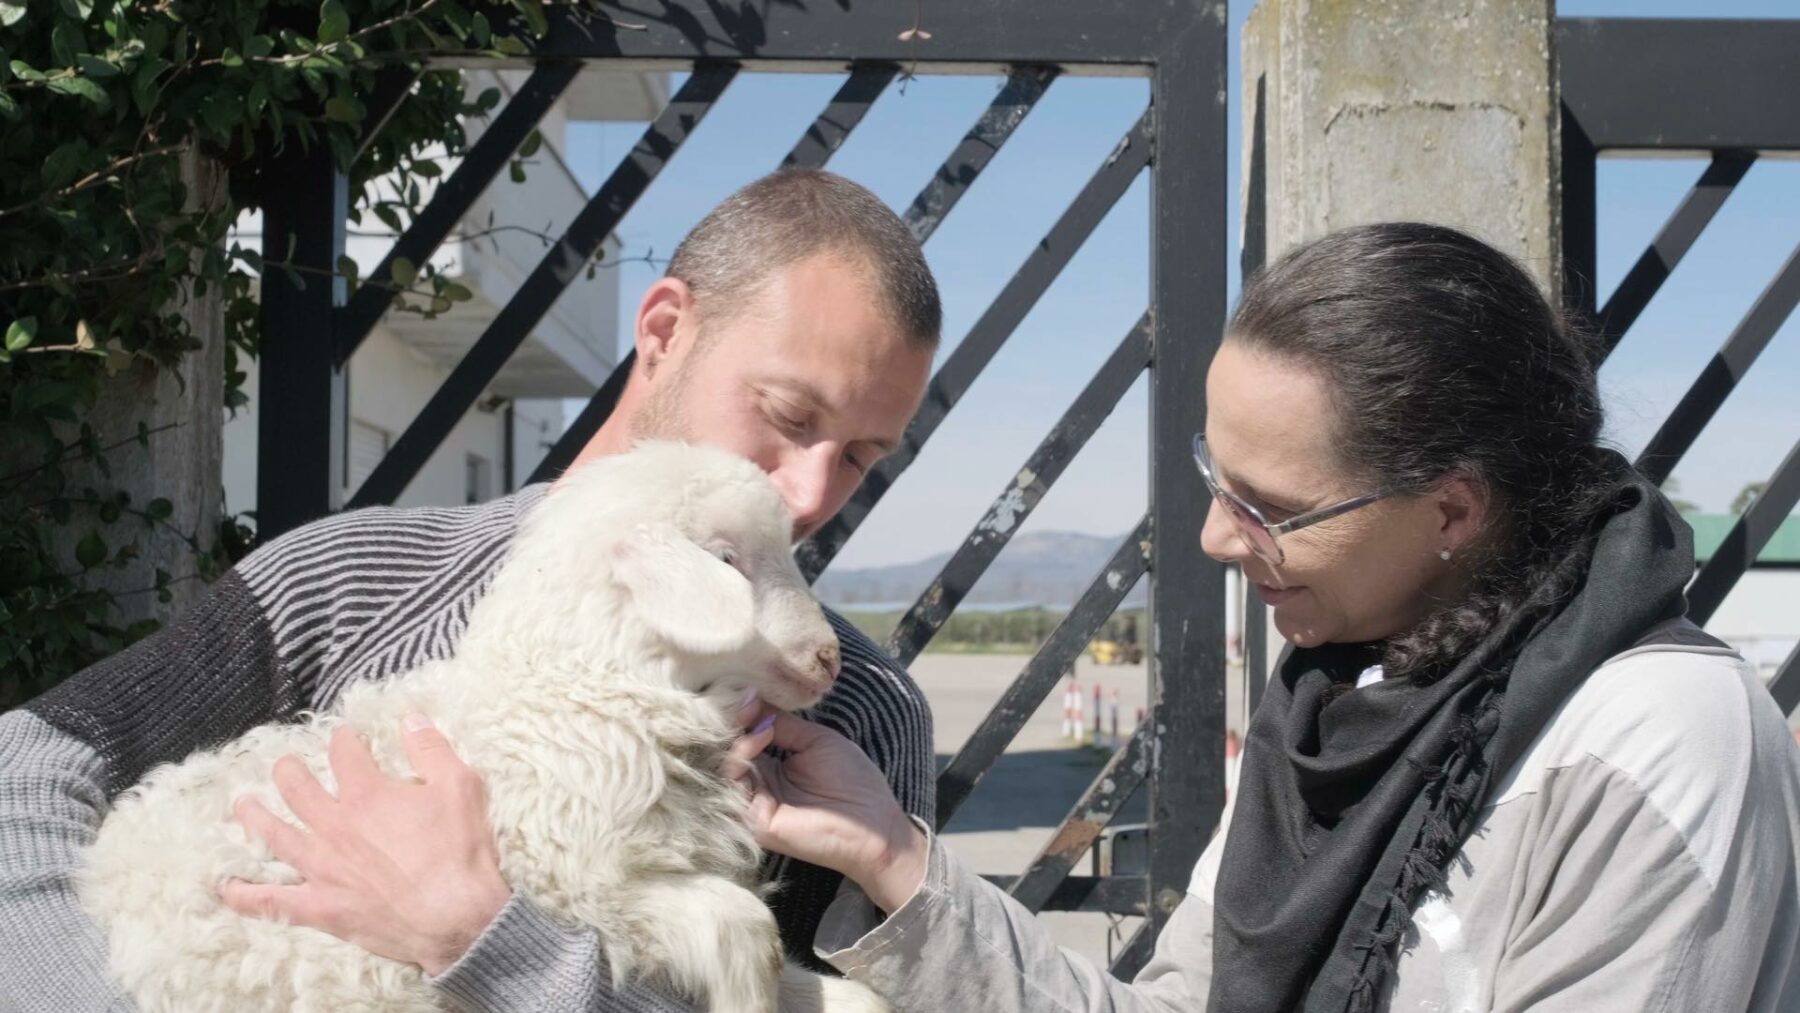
point(404, 359)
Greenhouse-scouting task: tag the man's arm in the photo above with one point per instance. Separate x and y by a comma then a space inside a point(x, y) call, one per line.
point(64, 755)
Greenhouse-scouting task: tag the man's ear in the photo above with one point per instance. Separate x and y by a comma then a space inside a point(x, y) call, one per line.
point(664, 314)
point(684, 594)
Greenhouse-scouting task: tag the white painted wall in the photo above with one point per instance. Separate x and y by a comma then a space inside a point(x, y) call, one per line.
point(389, 383)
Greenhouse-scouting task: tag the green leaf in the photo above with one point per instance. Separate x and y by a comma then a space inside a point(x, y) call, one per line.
point(533, 141)
point(509, 45)
point(341, 109)
point(91, 550)
point(427, 168)
point(25, 71)
point(109, 511)
point(259, 46)
point(334, 22)
point(22, 332)
point(389, 217)
point(95, 67)
point(517, 171)
point(8, 108)
point(231, 58)
point(403, 271)
point(10, 12)
point(346, 267)
point(455, 292)
point(159, 509)
point(78, 9)
point(63, 163)
point(82, 88)
point(480, 32)
point(65, 42)
point(534, 16)
point(488, 99)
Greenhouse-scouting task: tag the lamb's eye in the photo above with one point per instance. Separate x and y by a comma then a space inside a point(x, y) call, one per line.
point(726, 554)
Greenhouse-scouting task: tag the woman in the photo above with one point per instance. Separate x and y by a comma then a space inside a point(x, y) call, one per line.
point(1496, 770)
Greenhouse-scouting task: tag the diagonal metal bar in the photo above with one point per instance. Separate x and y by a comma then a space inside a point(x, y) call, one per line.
point(1746, 539)
point(1785, 687)
point(1672, 242)
point(1716, 381)
point(1002, 317)
point(1021, 699)
point(1021, 495)
point(1135, 953)
point(841, 115)
point(828, 132)
point(453, 198)
point(1120, 895)
point(562, 264)
point(392, 86)
point(978, 147)
point(1102, 800)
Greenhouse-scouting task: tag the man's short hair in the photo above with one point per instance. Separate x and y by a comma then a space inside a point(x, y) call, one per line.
point(793, 214)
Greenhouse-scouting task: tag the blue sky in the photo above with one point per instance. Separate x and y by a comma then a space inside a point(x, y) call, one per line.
point(1104, 288)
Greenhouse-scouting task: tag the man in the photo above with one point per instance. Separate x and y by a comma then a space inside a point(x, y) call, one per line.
point(796, 326)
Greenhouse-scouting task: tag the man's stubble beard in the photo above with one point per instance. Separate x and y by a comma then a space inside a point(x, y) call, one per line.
point(664, 414)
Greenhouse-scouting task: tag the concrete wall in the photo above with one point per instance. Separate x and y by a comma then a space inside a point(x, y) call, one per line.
point(1372, 110)
point(389, 382)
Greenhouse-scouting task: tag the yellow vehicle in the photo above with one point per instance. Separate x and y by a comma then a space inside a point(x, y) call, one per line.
point(1112, 652)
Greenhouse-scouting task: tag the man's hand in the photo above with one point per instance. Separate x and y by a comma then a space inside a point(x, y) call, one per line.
point(406, 870)
point(828, 804)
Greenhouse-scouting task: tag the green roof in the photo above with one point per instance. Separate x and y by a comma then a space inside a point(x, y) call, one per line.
point(1711, 529)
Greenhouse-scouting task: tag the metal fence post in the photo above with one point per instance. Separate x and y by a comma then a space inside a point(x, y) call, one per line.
point(303, 398)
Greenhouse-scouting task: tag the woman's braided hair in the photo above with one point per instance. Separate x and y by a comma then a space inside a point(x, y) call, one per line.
point(1443, 357)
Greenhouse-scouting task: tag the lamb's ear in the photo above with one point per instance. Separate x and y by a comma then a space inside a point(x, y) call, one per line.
point(683, 593)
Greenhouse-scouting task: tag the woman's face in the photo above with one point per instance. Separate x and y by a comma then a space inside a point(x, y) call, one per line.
point(1364, 575)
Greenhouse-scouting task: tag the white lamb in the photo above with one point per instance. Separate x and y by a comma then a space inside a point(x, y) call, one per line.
point(593, 692)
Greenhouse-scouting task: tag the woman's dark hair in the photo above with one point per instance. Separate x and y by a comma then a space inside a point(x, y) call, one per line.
point(1443, 357)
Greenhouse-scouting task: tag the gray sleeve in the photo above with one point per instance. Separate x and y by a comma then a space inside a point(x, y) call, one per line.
point(65, 754)
point(962, 944)
point(52, 957)
point(1619, 913)
point(528, 962)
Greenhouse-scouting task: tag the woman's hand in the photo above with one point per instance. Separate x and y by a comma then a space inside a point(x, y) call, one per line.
point(405, 870)
point(828, 804)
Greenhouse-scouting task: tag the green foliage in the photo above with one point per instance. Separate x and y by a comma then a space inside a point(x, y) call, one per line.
point(99, 102)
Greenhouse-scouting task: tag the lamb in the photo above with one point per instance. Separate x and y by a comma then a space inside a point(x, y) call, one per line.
point(594, 691)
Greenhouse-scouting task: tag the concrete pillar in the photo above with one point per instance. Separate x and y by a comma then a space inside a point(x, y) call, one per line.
point(1359, 111)
point(1376, 110)
point(184, 408)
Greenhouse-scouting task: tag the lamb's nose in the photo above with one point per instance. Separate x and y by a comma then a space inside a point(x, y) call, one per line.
point(828, 662)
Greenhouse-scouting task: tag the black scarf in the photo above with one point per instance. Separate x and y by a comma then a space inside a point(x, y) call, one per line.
point(1347, 813)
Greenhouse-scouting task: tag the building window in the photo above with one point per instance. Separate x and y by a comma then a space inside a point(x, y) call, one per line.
point(478, 482)
point(368, 445)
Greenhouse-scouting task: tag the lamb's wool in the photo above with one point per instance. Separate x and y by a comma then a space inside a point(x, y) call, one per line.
point(591, 693)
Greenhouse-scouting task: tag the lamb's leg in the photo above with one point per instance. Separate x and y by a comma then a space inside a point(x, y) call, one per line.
point(711, 938)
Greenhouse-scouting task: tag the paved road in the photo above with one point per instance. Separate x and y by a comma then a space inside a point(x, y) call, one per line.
point(1009, 817)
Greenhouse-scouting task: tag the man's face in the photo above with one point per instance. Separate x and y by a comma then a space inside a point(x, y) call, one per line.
point(809, 379)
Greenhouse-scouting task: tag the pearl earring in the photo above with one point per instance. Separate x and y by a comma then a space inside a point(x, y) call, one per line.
point(1444, 554)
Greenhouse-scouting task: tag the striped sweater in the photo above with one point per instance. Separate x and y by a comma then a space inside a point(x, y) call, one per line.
point(362, 595)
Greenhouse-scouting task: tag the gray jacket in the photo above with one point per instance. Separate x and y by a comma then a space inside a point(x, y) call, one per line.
point(1642, 856)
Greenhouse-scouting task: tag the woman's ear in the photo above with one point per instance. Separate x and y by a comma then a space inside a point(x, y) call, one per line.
point(664, 316)
point(1462, 507)
point(684, 594)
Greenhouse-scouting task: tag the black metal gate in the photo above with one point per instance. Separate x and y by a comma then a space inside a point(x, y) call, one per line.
point(1179, 45)
point(1730, 89)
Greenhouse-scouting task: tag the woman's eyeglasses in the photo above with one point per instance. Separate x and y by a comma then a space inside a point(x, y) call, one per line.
point(1258, 534)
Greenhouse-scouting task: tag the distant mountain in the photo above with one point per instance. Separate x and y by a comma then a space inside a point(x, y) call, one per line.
point(1050, 568)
